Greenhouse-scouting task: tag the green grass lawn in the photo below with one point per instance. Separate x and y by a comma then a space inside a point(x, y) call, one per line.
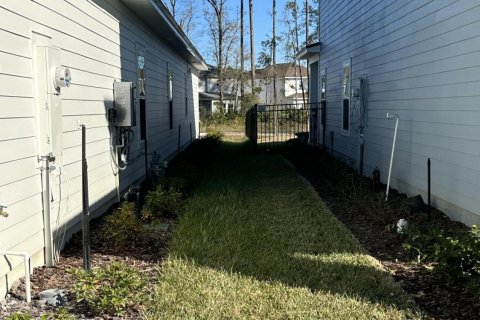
point(236, 125)
point(256, 242)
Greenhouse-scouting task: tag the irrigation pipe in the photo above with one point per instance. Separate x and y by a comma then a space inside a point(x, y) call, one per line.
point(396, 117)
point(26, 259)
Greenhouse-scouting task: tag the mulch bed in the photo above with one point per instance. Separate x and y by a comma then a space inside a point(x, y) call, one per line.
point(339, 186)
point(189, 166)
point(145, 259)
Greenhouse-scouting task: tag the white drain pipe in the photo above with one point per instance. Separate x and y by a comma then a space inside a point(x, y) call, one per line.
point(391, 116)
point(26, 258)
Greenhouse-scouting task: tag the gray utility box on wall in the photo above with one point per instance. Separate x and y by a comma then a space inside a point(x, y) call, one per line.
point(124, 104)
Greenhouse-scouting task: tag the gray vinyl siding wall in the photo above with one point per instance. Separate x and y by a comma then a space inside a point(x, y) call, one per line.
point(98, 41)
point(422, 60)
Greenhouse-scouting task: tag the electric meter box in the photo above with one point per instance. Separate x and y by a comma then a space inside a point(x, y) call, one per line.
point(48, 100)
point(123, 94)
point(63, 77)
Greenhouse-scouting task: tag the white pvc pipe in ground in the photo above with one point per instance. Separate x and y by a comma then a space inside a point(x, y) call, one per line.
point(26, 258)
point(391, 116)
point(49, 256)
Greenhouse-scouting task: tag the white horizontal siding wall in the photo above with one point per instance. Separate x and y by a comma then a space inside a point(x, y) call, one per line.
point(422, 60)
point(98, 39)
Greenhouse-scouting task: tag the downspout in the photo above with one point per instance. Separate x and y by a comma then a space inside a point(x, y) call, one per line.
point(26, 259)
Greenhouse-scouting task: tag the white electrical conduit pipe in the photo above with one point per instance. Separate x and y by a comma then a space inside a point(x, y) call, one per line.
point(391, 116)
point(49, 256)
point(26, 258)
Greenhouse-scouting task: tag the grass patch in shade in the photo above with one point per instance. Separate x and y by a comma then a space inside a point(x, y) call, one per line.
point(256, 242)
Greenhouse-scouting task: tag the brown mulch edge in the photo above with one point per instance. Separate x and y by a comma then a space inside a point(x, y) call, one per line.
point(145, 259)
point(436, 297)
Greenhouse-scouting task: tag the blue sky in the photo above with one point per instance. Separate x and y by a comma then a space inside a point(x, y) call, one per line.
point(262, 24)
point(263, 21)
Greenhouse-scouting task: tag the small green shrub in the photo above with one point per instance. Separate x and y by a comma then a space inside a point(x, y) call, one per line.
point(161, 203)
point(176, 183)
point(456, 254)
point(459, 255)
point(424, 245)
point(213, 118)
point(19, 316)
point(214, 134)
point(122, 229)
point(219, 116)
point(59, 314)
point(184, 169)
point(112, 290)
point(248, 100)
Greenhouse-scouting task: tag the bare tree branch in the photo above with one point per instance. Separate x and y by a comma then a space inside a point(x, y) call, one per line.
point(223, 33)
point(173, 4)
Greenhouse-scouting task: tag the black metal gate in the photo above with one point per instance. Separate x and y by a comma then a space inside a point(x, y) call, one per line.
point(269, 126)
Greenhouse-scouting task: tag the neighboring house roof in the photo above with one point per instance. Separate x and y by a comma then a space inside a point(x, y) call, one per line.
point(156, 15)
point(210, 72)
point(309, 51)
point(284, 70)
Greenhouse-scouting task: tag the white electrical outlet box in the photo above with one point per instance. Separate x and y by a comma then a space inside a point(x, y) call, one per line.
point(124, 104)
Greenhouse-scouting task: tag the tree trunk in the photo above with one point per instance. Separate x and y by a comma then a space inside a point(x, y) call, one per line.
point(242, 54)
point(274, 58)
point(296, 77)
point(306, 21)
point(274, 45)
point(220, 52)
point(306, 44)
point(218, 8)
point(296, 52)
point(252, 47)
point(220, 59)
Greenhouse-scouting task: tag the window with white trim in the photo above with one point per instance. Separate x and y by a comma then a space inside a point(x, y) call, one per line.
point(170, 95)
point(141, 91)
point(323, 84)
point(323, 95)
point(186, 95)
point(346, 93)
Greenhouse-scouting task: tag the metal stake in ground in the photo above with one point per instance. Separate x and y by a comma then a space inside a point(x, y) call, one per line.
point(191, 137)
point(429, 164)
point(85, 204)
point(178, 146)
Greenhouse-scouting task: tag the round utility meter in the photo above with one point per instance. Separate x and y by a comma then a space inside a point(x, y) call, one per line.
point(141, 61)
point(63, 77)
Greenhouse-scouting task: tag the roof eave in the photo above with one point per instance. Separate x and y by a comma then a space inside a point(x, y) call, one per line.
point(309, 51)
point(158, 18)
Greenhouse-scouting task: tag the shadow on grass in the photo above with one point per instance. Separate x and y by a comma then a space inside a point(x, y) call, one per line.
point(255, 216)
